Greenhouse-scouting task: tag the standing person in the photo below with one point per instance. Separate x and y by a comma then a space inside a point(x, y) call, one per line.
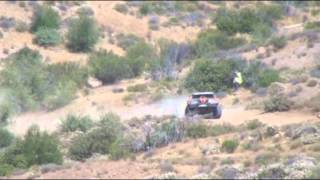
point(237, 80)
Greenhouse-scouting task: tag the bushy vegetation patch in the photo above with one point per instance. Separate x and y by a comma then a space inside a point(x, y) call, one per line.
point(215, 75)
point(246, 20)
point(35, 148)
point(210, 41)
point(108, 67)
point(47, 37)
point(6, 138)
point(278, 42)
point(229, 146)
point(29, 84)
point(277, 102)
point(107, 138)
point(74, 123)
point(208, 75)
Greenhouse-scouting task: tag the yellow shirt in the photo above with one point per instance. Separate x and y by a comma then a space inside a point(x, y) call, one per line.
point(238, 78)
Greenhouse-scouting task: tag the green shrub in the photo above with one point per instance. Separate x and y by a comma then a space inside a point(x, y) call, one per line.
point(21, 26)
point(100, 140)
point(278, 102)
point(273, 173)
point(111, 119)
point(62, 93)
point(226, 21)
point(5, 112)
point(249, 145)
point(253, 124)
point(220, 129)
point(312, 83)
point(209, 76)
point(47, 37)
point(145, 9)
point(73, 123)
point(5, 169)
point(315, 173)
point(269, 13)
point(209, 41)
point(35, 148)
point(163, 8)
point(315, 12)
point(83, 34)
point(6, 138)
point(108, 67)
point(266, 77)
point(85, 11)
point(65, 79)
point(25, 76)
point(312, 25)
point(229, 146)
point(170, 131)
point(157, 139)
point(136, 66)
point(197, 131)
point(68, 71)
point(80, 148)
point(227, 160)
point(45, 17)
point(247, 19)
point(314, 103)
point(261, 33)
point(139, 56)
point(120, 149)
point(137, 88)
point(266, 158)
point(127, 40)
point(278, 42)
point(122, 8)
point(31, 84)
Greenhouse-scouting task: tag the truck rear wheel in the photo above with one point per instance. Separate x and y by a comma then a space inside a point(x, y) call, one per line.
point(189, 113)
point(217, 112)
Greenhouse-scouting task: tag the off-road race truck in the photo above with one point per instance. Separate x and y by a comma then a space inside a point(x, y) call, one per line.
point(203, 103)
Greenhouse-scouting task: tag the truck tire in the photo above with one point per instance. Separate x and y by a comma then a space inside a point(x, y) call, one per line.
point(217, 112)
point(189, 113)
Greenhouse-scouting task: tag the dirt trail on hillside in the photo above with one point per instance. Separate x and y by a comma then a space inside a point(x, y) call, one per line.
point(234, 114)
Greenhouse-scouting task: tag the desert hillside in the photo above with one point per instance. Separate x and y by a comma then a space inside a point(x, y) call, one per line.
point(101, 89)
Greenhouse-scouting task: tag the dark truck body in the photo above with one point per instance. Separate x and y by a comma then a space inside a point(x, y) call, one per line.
point(203, 103)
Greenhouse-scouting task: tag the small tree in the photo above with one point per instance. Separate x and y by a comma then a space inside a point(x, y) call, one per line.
point(45, 16)
point(83, 34)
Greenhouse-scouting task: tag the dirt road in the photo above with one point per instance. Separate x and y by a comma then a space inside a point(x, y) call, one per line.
point(234, 114)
